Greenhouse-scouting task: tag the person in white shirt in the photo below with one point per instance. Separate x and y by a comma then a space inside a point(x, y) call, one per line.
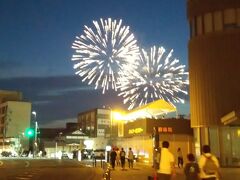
point(206, 174)
point(118, 157)
point(130, 158)
point(166, 167)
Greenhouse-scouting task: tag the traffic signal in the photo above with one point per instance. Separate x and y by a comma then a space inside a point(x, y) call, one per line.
point(29, 132)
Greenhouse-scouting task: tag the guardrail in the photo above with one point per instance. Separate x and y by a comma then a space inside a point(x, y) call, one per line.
point(106, 171)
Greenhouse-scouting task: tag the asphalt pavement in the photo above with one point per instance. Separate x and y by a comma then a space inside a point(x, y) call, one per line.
point(47, 169)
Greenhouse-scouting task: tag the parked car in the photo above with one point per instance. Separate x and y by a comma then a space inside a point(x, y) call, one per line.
point(66, 155)
point(99, 154)
point(87, 153)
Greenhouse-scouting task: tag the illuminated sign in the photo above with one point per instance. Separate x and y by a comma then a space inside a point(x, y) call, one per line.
point(75, 137)
point(135, 131)
point(165, 129)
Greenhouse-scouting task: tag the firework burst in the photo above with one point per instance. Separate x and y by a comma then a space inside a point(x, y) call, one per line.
point(104, 53)
point(158, 76)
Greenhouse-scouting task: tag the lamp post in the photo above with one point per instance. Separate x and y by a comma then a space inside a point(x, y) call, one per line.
point(58, 139)
point(35, 130)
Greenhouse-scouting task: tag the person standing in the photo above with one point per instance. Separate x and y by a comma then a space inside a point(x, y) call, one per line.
point(180, 158)
point(191, 169)
point(122, 158)
point(113, 155)
point(166, 167)
point(208, 164)
point(118, 157)
point(130, 158)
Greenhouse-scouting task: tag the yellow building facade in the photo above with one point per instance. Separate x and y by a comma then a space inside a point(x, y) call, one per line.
point(214, 63)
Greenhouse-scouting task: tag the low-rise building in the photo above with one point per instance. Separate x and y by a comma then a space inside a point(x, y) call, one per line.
point(140, 136)
point(95, 122)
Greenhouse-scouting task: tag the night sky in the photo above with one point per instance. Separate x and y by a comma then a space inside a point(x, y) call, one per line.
point(35, 49)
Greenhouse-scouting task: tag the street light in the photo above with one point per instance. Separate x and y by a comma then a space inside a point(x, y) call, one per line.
point(35, 131)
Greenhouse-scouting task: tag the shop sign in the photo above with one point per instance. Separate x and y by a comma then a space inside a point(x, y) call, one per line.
point(135, 131)
point(165, 129)
point(75, 137)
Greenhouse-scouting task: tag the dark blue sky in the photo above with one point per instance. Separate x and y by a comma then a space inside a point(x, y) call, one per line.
point(36, 38)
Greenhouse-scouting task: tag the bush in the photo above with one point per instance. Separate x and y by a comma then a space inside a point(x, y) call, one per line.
point(6, 154)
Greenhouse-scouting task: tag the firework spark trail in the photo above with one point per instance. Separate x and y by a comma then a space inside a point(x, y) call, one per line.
point(158, 76)
point(104, 53)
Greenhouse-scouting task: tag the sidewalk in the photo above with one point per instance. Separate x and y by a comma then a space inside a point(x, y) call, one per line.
point(141, 172)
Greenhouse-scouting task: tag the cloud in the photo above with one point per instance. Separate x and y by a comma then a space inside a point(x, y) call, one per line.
point(59, 97)
point(40, 102)
point(58, 123)
point(5, 63)
point(65, 90)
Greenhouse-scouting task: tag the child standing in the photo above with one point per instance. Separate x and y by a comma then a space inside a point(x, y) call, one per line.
point(191, 170)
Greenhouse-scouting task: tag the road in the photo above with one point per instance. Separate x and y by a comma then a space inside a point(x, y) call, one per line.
point(47, 169)
point(51, 169)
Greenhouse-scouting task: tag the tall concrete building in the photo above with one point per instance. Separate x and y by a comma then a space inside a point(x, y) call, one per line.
point(214, 66)
point(95, 122)
point(15, 117)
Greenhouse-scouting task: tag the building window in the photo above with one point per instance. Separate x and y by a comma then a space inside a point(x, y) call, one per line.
point(238, 17)
point(208, 25)
point(229, 18)
point(199, 25)
point(218, 21)
point(192, 27)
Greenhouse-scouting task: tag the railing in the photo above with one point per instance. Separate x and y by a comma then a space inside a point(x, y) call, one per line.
point(106, 171)
point(105, 166)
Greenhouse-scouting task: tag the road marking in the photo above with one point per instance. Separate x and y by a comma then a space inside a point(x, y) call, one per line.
point(27, 164)
point(1, 163)
point(26, 178)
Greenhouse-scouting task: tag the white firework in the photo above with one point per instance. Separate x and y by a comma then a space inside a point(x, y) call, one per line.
point(104, 53)
point(158, 76)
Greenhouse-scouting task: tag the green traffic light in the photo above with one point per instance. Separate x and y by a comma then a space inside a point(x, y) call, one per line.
point(29, 132)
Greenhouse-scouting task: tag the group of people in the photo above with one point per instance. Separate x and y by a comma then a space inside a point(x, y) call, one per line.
point(119, 156)
point(207, 167)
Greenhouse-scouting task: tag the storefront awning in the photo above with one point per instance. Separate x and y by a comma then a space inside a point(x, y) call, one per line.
point(151, 110)
point(232, 118)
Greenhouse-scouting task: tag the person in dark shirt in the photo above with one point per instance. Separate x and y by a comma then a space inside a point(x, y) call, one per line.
point(122, 158)
point(113, 155)
point(191, 169)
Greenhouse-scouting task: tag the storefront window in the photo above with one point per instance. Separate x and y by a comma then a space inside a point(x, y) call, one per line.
point(214, 141)
point(230, 146)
